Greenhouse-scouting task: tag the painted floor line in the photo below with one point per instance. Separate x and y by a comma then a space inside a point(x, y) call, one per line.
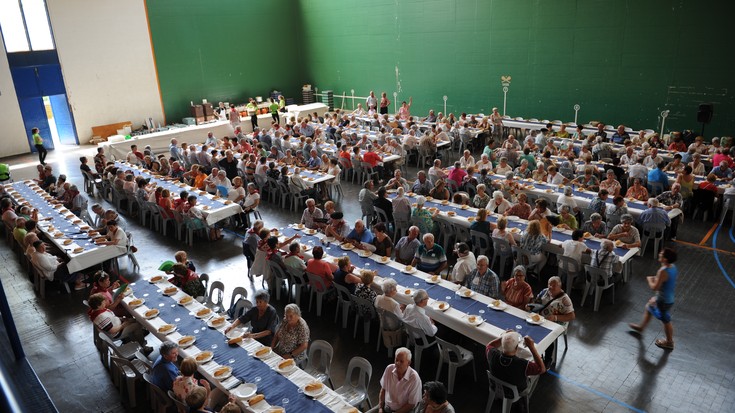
point(691, 244)
point(717, 257)
point(708, 235)
point(597, 392)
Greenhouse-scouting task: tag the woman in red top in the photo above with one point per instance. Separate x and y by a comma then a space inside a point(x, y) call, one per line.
point(709, 184)
point(516, 290)
point(103, 285)
point(319, 267)
point(165, 203)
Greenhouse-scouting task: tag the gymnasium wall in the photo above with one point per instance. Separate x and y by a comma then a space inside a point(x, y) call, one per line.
point(105, 55)
point(621, 61)
point(13, 139)
point(225, 50)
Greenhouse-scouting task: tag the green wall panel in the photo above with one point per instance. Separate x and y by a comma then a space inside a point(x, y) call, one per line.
point(225, 50)
point(622, 61)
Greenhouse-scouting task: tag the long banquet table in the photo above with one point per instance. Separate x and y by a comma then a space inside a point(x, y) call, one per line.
point(460, 307)
point(159, 141)
point(55, 220)
point(280, 388)
point(213, 210)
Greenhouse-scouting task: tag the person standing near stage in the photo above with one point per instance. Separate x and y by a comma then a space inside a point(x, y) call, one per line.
point(38, 143)
point(659, 306)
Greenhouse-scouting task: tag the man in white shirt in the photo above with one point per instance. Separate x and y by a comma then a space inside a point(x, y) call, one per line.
point(554, 177)
point(630, 158)
point(400, 386)
point(638, 170)
point(437, 171)
point(310, 213)
point(466, 263)
point(115, 236)
point(415, 314)
point(574, 248)
point(53, 268)
point(466, 160)
point(653, 159)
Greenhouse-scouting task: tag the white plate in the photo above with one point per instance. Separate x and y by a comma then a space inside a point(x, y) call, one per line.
point(136, 305)
point(406, 291)
point(152, 316)
point(413, 270)
point(191, 300)
point(477, 322)
point(310, 231)
point(430, 281)
point(462, 293)
point(209, 322)
point(315, 393)
point(274, 409)
point(435, 305)
point(287, 369)
point(206, 359)
point(347, 247)
point(383, 260)
point(502, 306)
point(364, 253)
point(512, 218)
point(167, 332)
point(207, 314)
point(263, 356)
point(224, 376)
point(235, 332)
point(329, 239)
point(154, 280)
point(245, 390)
point(172, 293)
point(191, 343)
point(529, 320)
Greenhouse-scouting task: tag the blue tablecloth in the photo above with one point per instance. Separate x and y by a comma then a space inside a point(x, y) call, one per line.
point(500, 319)
point(521, 224)
point(58, 220)
point(274, 386)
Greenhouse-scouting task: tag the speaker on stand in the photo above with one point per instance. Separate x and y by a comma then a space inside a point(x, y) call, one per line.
point(704, 114)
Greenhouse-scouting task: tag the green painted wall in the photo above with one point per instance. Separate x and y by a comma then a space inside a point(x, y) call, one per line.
point(622, 61)
point(224, 50)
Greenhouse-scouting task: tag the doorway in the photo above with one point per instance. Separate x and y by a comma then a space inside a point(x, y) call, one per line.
point(59, 120)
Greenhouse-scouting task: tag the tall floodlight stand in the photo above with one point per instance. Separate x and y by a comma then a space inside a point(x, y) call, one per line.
point(664, 115)
point(445, 104)
point(505, 81)
point(576, 112)
point(353, 98)
point(395, 101)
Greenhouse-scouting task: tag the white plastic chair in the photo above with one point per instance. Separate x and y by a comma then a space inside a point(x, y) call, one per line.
point(505, 388)
point(318, 290)
point(655, 232)
point(319, 361)
point(418, 340)
point(355, 392)
point(216, 296)
point(455, 356)
point(601, 281)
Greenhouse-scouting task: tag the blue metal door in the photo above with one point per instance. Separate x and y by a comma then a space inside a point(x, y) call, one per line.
point(62, 118)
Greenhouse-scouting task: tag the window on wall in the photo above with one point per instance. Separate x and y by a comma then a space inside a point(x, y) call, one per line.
point(25, 25)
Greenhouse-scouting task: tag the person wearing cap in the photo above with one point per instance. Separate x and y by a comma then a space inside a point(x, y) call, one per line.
point(338, 227)
point(505, 365)
point(626, 232)
point(466, 263)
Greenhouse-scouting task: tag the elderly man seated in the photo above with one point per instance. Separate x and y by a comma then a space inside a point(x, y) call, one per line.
point(397, 181)
point(415, 315)
point(430, 257)
point(626, 233)
point(400, 386)
point(422, 185)
point(407, 246)
point(483, 280)
point(54, 268)
point(164, 370)
point(606, 259)
point(505, 365)
point(360, 234)
point(311, 214)
point(654, 215)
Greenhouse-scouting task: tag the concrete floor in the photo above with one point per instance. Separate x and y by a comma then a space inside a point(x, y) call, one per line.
point(605, 368)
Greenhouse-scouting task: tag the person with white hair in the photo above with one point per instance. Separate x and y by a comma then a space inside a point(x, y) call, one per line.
point(408, 245)
point(386, 302)
point(415, 314)
point(483, 280)
point(310, 214)
point(654, 214)
point(400, 386)
point(423, 217)
point(466, 160)
point(498, 204)
point(430, 256)
point(554, 304)
point(484, 162)
point(626, 232)
point(422, 185)
point(402, 206)
point(605, 258)
point(507, 366)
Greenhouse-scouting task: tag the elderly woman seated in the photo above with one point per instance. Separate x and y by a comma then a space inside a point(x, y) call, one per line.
point(292, 337)
point(566, 219)
point(481, 198)
point(554, 305)
point(263, 319)
point(498, 204)
point(595, 226)
point(516, 290)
